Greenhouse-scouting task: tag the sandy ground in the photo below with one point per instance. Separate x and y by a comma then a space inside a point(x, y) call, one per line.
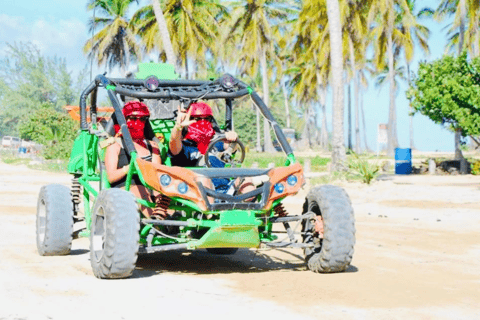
point(417, 256)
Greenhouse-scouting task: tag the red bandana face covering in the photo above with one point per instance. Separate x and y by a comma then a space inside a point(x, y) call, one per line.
point(137, 130)
point(201, 132)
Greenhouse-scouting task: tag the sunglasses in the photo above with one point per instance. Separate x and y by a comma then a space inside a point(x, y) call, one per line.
point(137, 118)
point(201, 118)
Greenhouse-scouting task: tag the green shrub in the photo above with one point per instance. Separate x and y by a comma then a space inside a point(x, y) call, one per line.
point(361, 167)
point(475, 167)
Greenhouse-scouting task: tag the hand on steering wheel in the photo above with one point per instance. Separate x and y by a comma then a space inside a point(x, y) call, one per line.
point(233, 152)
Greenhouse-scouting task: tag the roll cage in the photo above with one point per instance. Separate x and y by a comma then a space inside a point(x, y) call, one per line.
point(225, 87)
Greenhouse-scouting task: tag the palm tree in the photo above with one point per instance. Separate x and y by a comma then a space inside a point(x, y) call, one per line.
point(384, 18)
point(355, 34)
point(115, 43)
point(336, 56)
point(414, 32)
point(463, 31)
point(253, 21)
point(165, 35)
point(192, 24)
point(311, 59)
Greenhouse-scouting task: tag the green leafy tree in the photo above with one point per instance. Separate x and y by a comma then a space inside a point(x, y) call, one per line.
point(448, 92)
point(55, 130)
point(28, 80)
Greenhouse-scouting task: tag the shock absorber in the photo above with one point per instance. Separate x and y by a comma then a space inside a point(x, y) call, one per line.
point(280, 210)
point(162, 202)
point(76, 193)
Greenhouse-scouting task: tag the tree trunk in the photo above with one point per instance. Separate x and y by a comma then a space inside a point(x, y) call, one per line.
point(412, 145)
point(365, 141)
point(461, 34)
point(306, 131)
point(259, 139)
point(322, 94)
point(458, 151)
point(349, 103)
point(185, 63)
point(124, 66)
point(335, 28)
point(458, 132)
point(392, 117)
point(287, 109)
point(353, 65)
point(162, 28)
point(324, 130)
point(267, 139)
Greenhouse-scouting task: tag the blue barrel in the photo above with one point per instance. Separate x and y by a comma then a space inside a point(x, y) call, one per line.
point(403, 161)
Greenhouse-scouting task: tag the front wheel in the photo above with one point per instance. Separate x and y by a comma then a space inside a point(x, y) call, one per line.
point(54, 227)
point(114, 234)
point(332, 232)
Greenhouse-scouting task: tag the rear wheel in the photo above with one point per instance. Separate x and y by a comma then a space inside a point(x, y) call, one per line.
point(54, 227)
point(333, 236)
point(114, 234)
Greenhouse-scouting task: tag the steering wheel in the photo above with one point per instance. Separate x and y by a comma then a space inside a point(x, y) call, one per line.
point(231, 156)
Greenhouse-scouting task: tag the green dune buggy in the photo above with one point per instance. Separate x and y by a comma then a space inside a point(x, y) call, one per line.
point(203, 218)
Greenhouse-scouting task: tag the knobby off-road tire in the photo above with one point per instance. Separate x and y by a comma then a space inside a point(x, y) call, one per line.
point(223, 251)
point(334, 252)
point(114, 234)
point(54, 220)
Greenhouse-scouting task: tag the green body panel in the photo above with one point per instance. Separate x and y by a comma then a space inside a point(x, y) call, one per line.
point(162, 129)
point(228, 237)
point(84, 145)
point(163, 71)
point(234, 229)
point(290, 159)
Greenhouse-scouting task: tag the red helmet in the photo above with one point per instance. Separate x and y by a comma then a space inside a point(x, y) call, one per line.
point(135, 108)
point(201, 109)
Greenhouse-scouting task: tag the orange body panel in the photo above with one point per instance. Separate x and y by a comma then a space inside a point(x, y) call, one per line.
point(152, 172)
point(280, 175)
point(73, 111)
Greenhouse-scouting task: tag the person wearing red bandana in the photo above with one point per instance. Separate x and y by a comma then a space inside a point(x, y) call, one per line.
point(190, 138)
point(192, 133)
point(117, 162)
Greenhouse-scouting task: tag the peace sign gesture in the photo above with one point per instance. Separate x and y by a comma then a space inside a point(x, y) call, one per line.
point(183, 118)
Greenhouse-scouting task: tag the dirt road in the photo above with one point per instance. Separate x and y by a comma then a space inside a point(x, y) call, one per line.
point(417, 256)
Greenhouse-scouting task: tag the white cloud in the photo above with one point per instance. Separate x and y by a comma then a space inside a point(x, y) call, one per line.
point(63, 38)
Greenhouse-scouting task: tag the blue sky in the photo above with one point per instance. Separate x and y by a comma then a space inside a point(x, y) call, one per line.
point(59, 27)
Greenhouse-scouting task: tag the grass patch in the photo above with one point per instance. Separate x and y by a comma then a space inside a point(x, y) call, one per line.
point(11, 157)
point(317, 163)
point(51, 166)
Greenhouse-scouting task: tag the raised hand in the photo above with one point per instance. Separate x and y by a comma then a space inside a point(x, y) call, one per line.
point(183, 118)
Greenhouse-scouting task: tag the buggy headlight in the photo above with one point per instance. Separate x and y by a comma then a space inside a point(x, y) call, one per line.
point(182, 188)
point(279, 187)
point(292, 180)
point(165, 180)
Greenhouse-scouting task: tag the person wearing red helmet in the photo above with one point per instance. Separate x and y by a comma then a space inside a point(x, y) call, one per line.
point(117, 162)
point(192, 134)
point(190, 138)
